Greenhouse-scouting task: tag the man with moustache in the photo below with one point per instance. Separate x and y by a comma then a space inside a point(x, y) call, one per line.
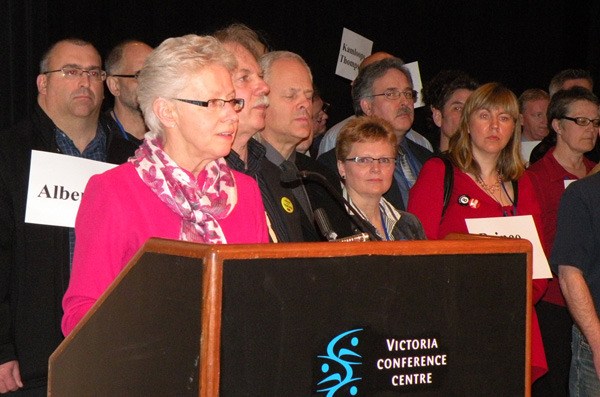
point(122, 66)
point(288, 122)
point(247, 154)
point(35, 259)
point(328, 141)
point(384, 89)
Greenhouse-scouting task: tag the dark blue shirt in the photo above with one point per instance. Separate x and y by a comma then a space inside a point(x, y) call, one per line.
point(95, 150)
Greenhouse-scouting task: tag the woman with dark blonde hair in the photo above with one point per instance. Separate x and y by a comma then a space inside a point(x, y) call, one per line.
point(488, 181)
point(485, 154)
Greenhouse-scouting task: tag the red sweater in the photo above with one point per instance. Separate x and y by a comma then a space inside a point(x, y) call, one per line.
point(119, 213)
point(426, 201)
point(548, 179)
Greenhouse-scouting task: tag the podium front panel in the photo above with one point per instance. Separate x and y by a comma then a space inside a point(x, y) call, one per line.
point(143, 338)
point(434, 325)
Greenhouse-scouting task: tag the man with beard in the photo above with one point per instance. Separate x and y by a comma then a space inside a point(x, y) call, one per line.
point(35, 260)
point(247, 154)
point(122, 66)
point(384, 89)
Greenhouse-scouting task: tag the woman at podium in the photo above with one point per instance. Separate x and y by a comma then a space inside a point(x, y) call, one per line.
point(177, 185)
point(366, 151)
point(487, 180)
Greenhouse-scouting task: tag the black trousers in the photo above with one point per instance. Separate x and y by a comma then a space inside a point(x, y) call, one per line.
point(555, 325)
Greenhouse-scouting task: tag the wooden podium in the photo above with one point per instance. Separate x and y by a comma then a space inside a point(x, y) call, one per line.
point(434, 318)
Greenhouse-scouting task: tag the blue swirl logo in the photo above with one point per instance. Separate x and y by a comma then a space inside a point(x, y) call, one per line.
point(339, 363)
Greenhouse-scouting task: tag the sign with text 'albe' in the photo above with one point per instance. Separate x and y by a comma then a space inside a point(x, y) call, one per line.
point(56, 185)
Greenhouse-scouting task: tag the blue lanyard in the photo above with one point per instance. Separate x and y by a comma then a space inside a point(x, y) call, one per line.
point(514, 208)
point(387, 236)
point(123, 132)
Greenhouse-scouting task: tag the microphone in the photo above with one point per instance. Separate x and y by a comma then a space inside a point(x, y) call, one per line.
point(324, 225)
point(327, 230)
point(290, 175)
point(361, 237)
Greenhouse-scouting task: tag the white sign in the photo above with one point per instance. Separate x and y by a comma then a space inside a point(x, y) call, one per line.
point(514, 227)
point(568, 182)
point(526, 148)
point(353, 49)
point(415, 73)
point(56, 184)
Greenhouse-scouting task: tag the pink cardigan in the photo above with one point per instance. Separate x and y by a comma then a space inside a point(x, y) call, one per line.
point(118, 213)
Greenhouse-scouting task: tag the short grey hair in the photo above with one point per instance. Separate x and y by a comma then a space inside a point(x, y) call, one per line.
point(267, 61)
point(115, 56)
point(241, 34)
point(363, 84)
point(168, 68)
point(73, 40)
point(568, 74)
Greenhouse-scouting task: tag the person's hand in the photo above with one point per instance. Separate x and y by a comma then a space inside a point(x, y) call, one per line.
point(10, 377)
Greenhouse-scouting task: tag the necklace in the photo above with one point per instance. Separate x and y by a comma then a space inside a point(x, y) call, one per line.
point(490, 189)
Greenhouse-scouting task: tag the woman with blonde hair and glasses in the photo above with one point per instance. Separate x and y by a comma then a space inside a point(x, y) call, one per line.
point(488, 181)
point(366, 151)
point(177, 186)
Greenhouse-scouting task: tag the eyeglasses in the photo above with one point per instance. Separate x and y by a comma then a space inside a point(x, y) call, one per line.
point(394, 94)
point(75, 73)
point(216, 103)
point(384, 161)
point(325, 107)
point(583, 121)
point(128, 76)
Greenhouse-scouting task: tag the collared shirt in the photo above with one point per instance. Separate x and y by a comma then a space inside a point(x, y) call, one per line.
point(95, 150)
point(299, 191)
point(399, 225)
point(256, 152)
point(402, 181)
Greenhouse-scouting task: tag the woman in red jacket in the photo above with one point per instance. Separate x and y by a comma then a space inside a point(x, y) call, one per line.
point(488, 181)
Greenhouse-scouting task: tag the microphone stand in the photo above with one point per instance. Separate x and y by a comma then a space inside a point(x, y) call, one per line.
point(362, 224)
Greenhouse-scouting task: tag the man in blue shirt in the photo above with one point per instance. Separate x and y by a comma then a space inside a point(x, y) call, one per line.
point(35, 259)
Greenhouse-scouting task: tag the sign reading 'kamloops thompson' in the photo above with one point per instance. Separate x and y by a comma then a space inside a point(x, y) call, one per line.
point(56, 185)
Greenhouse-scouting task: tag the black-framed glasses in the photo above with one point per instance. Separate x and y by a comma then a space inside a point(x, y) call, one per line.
point(128, 76)
point(216, 103)
point(384, 161)
point(72, 72)
point(583, 121)
point(393, 94)
point(326, 107)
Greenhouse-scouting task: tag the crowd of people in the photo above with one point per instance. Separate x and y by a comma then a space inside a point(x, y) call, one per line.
point(219, 140)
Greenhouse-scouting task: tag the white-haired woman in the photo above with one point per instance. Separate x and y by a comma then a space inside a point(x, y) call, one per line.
point(177, 186)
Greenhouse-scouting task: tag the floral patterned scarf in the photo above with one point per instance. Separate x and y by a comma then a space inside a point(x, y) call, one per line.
point(200, 207)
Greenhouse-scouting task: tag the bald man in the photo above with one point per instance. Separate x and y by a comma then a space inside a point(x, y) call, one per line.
point(123, 65)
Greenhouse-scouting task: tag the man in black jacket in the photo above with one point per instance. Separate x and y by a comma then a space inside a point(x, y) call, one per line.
point(247, 154)
point(288, 121)
point(384, 89)
point(35, 260)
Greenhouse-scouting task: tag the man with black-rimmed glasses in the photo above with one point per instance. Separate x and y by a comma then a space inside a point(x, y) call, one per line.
point(35, 259)
point(123, 65)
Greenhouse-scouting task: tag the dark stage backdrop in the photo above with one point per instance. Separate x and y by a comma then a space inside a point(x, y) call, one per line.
point(519, 43)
